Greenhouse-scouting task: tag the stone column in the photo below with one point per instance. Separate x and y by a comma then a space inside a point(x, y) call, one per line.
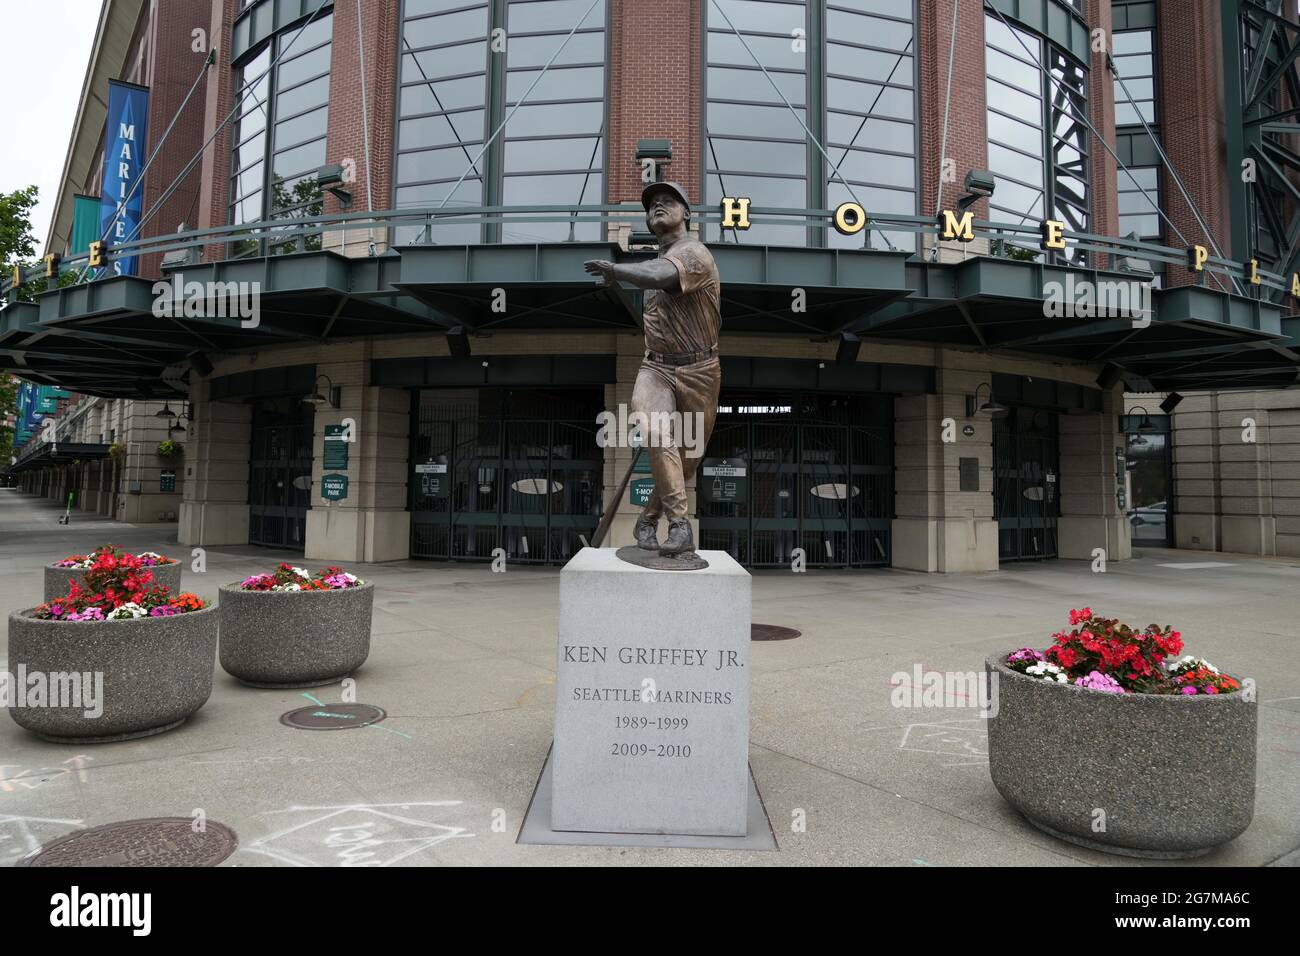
point(373, 523)
point(214, 509)
point(1090, 514)
point(1244, 424)
point(937, 526)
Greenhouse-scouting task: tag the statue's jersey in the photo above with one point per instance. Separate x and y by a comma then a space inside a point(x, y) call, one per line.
point(689, 320)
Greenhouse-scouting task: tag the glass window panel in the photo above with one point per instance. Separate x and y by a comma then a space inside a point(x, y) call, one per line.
point(772, 52)
point(537, 51)
point(768, 191)
point(535, 17)
point(890, 7)
point(313, 34)
point(571, 83)
point(733, 84)
point(747, 155)
point(868, 64)
point(1014, 196)
point(446, 61)
point(1012, 71)
point(468, 193)
point(1131, 41)
point(1026, 168)
point(444, 95)
point(249, 180)
point(447, 163)
point(844, 129)
point(862, 29)
point(464, 127)
point(303, 97)
point(247, 209)
point(1147, 226)
point(760, 16)
point(551, 154)
point(530, 120)
point(415, 8)
point(447, 28)
point(299, 159)
point(253, 151)
point(880, 100)
point(291, 72)
point(301, 128)
point(1009, 100)
point(767, 122)
point(862, 166)
point(1012, 132)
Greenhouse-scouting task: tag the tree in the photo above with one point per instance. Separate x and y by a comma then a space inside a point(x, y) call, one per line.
point(8, 407)
point(16, 239)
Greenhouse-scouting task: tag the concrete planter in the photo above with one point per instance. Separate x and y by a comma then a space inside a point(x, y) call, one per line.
point(1174, 775)
point(294, 638)
point(157, 671)
point(56, 579)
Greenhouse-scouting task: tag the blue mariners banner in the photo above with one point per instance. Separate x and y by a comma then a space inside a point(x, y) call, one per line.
point(126, 132)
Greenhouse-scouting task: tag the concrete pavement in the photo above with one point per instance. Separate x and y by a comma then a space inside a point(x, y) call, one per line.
point(463, 661)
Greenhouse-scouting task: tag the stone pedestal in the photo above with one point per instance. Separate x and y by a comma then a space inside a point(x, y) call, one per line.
point(652, 698)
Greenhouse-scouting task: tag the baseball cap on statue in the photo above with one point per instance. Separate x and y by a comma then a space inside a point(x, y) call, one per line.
point(665, 186)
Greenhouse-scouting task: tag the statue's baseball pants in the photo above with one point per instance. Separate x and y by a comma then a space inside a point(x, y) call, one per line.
point(676, 446)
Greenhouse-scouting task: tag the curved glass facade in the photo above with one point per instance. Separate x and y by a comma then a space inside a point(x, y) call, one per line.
point(280, 133)
point(464, 66)
point(1037, 137)
point(846, 70)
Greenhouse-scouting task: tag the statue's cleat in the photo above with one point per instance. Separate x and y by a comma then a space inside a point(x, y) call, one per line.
point(680, 540)
point(647, 533)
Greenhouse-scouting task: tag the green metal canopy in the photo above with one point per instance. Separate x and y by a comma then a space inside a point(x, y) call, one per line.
point(111, 338)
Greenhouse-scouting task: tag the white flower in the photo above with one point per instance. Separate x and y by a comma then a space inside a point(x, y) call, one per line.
point(287, 587)
point(301, 572)
point(149, 554)
point(127, 611)
point(1047, 671)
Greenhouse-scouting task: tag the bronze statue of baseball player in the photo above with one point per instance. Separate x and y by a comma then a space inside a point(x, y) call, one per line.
point(680, 372)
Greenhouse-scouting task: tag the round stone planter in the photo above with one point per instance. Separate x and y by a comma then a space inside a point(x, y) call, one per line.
point(1174, 776)
point(157, 671)
point(294, 638)
point(56, 579)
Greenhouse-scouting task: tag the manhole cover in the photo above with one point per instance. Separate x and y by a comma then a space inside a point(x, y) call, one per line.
point(158, 841)
point(333, 716)
point(772, 632)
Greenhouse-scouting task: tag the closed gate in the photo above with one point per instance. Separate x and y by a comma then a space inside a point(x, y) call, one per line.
point(1026, 467)
point(279, 481)
point(818, 476)
point(488, 473)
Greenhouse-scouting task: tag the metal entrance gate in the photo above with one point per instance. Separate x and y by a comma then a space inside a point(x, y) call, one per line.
point(1026, 466)
point(279, 479)
point(510, 469)
point(818, 475)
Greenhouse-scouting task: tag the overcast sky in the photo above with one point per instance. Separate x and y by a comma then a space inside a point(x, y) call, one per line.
point(42, 67)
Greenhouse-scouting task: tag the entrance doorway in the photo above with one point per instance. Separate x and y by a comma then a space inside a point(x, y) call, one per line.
point(1026, 466)
point(511, 469)
point(814, 472)
point(1149, 456)
point(279, 480)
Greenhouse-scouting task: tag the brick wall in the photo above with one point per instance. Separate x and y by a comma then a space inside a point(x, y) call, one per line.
point(655, 72)
point(1101, 113)
point(171, 66)
point(967, 127)
point(219, 90)
point(1189, 77)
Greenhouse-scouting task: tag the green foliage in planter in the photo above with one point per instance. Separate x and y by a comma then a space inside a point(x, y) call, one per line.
point(167, 448)
point(116, 450)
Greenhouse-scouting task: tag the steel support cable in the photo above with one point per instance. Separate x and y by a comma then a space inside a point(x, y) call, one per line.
point(242, 94)
point(365, 123)
point(1086, 122)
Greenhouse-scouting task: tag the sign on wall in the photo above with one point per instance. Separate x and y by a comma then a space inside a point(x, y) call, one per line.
point(336, 447)
point(126, 130)
point(724, 481)
point(433, 478)
point(640, 491)
point(333, 487)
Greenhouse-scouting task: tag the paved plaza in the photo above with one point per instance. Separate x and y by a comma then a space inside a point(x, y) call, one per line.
point(463, 661)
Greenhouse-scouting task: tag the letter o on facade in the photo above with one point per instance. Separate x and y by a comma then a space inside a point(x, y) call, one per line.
point(850, 218)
